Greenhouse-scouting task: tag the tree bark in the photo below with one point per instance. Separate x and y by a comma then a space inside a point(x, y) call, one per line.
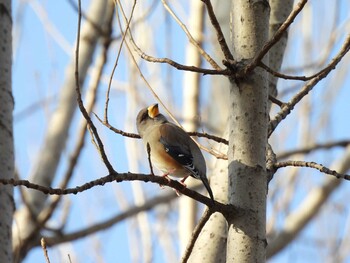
point(280, 10)
point(6, 132)
point(248, 136)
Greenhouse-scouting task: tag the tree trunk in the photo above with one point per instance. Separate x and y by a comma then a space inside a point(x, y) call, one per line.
point(248, 136)
point(6, 132)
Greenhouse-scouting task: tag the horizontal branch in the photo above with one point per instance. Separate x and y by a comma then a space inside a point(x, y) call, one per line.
point(209, 136)
point(121, 177)
point(179, 66)
point(289, 77)
point(313, 165)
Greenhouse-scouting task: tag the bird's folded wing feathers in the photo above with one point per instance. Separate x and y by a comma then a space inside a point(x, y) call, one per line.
point(177, 145)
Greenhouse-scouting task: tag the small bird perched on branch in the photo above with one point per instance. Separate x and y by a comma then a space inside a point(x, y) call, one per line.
point(172, 150)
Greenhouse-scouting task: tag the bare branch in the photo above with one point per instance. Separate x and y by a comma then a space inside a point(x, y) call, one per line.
point(120, 177)
point(314, 165)
point(149, 158)
point(303, 78)
point(179, 66)
point(276, 101)
point(137, 66)
point(43, 246)
point(90, 103)
point(80, 101)
point(215, 71)
point(191, 39)
point(220, 36)
point(209, 136)
point(284, 76)
point(195, 235)
point(116, 63)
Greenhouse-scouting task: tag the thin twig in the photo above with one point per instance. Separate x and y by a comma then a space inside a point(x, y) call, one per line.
point(284, 76)
point(80, 102)
point(276, 101)
point(121, 132)
point(209, 136)
point(43, 246)
point(91, 100)
point(317, 166)
point(195, 235)
point(177, 65)
point(149, 158)
point(220, 36)
point(288, 107)
point(206, 56)
point(224, 72)
point(137, 66)
point(302, 78)
point(220, 156)
point(141, 19)
point(116, 63)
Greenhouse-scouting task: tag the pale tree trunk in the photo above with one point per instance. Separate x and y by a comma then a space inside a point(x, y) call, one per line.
point(280, 10)
point(191, 85)
point(25, 230)
point(6, 132)
point(248, 136)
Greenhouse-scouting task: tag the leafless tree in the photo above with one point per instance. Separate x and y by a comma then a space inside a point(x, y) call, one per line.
point(244, 100)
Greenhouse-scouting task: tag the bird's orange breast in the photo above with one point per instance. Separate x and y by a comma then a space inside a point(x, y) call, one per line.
point(168, 165)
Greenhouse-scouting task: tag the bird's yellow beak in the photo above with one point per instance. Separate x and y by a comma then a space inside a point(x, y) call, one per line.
point(153, 110)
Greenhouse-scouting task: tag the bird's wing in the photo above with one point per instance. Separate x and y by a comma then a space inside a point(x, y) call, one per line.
point(177, 144)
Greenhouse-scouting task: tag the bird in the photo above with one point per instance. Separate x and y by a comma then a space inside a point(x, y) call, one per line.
point(172, 150)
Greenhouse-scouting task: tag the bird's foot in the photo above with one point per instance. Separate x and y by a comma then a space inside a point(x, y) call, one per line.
point(182, 181)
point(166, 177)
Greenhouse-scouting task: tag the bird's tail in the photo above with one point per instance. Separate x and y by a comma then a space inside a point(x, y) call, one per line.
point(207, 186)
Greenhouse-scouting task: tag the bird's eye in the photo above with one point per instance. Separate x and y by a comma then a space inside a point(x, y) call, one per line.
point(144, 116)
